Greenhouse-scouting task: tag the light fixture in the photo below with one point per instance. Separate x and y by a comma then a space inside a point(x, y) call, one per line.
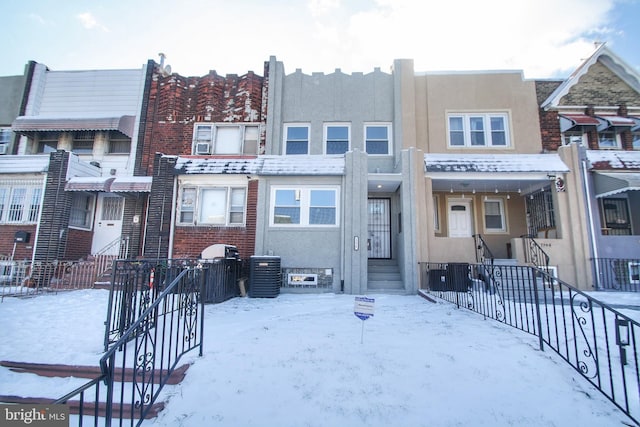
point(508, 196)
point(379, 186)
point(473, 191)
point(496, 190)
point(622, 331)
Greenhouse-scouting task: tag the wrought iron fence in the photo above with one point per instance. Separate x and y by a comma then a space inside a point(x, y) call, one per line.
point(598, 341)
point(135, 284)
point(141, 361)
point(26, 278)
point(617, 274)
point(483, 253)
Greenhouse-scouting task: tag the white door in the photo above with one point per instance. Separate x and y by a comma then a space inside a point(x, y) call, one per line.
point(459, 218)
point(108, 224)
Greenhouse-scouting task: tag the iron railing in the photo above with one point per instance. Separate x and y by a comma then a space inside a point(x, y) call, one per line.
point(615, 274)
point(596, 340)
point(534, 254)
point(138, 365)
point(136, 283)
point(483, 253)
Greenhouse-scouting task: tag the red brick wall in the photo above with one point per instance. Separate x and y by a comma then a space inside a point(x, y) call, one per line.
point(188, 242)
point(23, 250)
point(550, 130)
point(176, 103)
point(78, 244)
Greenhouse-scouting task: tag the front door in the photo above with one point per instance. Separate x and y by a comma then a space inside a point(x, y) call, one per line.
point(459, 211)
point(379, 228)
point(108, 224)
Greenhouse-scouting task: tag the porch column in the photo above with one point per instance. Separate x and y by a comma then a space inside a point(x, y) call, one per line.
point(354, 246)
point(413, 208)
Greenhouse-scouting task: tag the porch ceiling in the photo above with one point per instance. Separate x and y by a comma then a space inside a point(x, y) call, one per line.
point(383, 183)
point(479, 184)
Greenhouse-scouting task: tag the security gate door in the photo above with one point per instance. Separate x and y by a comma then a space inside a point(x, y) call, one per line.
point(379, 228)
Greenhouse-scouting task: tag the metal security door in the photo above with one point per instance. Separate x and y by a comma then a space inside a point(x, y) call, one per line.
point(379, 228)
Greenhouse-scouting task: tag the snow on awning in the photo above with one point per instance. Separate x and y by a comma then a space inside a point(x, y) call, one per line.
point(613, 160)
point(26, 124)
point(568, 121)
point(227, 165)
point(615, 121)
point(303, 165)
point(123, 184)
point(536, 163)
point(608, 184)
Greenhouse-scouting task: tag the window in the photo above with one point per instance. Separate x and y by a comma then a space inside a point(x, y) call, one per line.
point(47, 143)
point(377, 139)
point(296, 139)
point(615, 217)
point(225, 139)
point(336, 138)
point(608, 139)
point(304, 206)
point(478, 130)
point(635, 139)
point(494, 218)
point(572, 137)
point(119, 143)
point(5, 135)
point(20, 204)
point(81, 214)
point(82, 142)
point(223, 206)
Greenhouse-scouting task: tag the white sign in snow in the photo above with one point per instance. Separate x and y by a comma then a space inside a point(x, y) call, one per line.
point(363, 307)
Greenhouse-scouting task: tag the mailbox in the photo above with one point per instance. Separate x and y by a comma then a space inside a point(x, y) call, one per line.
point(21, 237)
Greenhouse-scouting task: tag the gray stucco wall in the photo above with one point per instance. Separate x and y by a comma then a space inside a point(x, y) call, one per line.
point(11, 91)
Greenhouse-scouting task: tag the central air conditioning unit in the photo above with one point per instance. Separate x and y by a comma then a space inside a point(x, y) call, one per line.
point(203, 148)
point(4, 148)
point(264, 276)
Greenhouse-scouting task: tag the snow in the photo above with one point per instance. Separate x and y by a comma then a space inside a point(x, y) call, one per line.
point(437, 162)
point(298, 360)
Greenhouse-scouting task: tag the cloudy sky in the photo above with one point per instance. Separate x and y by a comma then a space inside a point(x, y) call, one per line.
point(544, 38)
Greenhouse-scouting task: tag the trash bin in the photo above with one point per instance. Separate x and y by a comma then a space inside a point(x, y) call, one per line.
point(437, 280)
point(264, 276)
point(457, 277)
point(221, 268)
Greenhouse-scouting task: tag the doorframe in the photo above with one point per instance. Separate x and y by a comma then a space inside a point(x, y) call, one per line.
point(469, 204)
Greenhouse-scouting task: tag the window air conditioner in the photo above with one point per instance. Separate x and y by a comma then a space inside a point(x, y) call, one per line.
point(3, 148)
point(202, 148)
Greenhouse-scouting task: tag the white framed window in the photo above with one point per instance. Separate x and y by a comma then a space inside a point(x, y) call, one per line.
point(377, 138)
point(225, 138)
point(82, 208)
point(635, 140)
point(20, 204)
point(609, 139)
point(573, 137)
point(119, 143)
point(494, 217)
point(296, 138)
point(478, 130)
point(337, 137)
point(208, 205)
point(5, 135)
point(307, 206)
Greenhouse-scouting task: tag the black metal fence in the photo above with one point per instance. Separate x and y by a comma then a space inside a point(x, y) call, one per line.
point(141, 361)
point(615, 274)
point(136, 283)
point(598, 341)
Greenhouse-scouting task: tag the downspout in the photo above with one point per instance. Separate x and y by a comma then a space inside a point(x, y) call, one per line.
point(343, 233)
point(594, 246)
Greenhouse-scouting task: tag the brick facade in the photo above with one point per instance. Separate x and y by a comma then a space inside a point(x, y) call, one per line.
point(23, 250)
point(81, 246)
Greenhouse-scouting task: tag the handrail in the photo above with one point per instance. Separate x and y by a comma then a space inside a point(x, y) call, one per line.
point(482, 250)
point(599, 342)
point(534, 254)
point(152, 346)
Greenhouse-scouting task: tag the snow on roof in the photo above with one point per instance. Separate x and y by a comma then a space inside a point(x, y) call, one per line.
point(264, 165)
point(613, 159)
point(494, 163)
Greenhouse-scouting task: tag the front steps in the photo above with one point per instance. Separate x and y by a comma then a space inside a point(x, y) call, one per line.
point(383, 276)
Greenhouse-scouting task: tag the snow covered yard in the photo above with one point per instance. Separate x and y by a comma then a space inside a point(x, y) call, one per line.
point(298, 360)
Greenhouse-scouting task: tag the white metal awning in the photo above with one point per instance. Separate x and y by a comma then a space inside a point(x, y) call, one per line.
point(611, 183)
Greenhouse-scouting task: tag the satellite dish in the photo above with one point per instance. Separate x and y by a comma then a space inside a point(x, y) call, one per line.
point(167, 69)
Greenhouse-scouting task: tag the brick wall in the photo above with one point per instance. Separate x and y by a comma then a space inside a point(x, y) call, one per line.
point(188, 242)
point(175, 103)
point(600, 86)
point(81, 246)
point(23, 250)
point(159, 210)
point(550, 130)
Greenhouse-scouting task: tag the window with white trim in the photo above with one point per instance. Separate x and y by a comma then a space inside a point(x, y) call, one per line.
point(206, 205)
point(635, 140)
point(478, 130)
point(494, 218)
point(608, 139)
point(336, 138)
point(20, 204)
point(296, 138)
point(304, 206)
point(119, 143)
point(573, 137)
point(377, 138)
point(82, 208)
point(225, 138)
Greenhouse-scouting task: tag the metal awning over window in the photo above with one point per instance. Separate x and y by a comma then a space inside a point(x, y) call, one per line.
point(608, 184)
point(125, 184)
point(606, 122)
point(568, 121)
point(26, 124)
point(635, 127)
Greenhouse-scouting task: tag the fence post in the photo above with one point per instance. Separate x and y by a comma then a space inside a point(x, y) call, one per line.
point(532, 271)
point(203, 273)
